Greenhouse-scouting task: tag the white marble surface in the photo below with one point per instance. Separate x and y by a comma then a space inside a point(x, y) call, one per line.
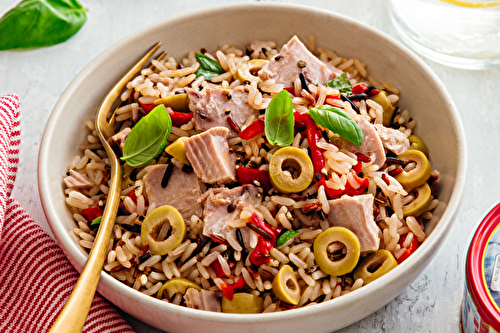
point(432, 302)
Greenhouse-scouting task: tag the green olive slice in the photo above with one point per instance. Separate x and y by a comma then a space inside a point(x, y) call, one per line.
point(247, 71)
point(176, 102)
point(243, 303)
point(374, 266)
point(286, 286)
point(346, 251)
point(381, 98)
point(302, 170)
point(152, 225)
point(176, 285)
point(419, 174)
point(421, 203)
point(417, 143)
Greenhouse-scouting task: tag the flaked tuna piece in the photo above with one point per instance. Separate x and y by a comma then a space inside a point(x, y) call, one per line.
point(217, 105)
point(208, 153)
point(202, 300)
point(222, 205)
point(76, 180)
point(121, 136)
point(182, 191)
point(356, 214)
point(372, 144)
point(392, 139)
point(284, 68)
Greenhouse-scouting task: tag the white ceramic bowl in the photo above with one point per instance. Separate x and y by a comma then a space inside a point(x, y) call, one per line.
point(422, 93)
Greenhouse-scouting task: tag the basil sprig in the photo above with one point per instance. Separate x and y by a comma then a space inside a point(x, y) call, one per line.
point(279, 120)
point(337, 121)
point(341, 83)
point(286, 236)
point(37, 23)
point(148, 137)
point(208, 67)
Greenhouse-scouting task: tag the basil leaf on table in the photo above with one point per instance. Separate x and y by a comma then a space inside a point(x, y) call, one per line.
point(337, 121)
point(148, 137)
point(37, 23)
point(279, 121)
point(208, 67)
point(341, 83)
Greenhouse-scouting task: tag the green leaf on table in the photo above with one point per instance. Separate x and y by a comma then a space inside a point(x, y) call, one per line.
point(37, 23)
point(337, 121)
point(148, 137)
point(208, 67)
point(279, 120)
point(341, 83)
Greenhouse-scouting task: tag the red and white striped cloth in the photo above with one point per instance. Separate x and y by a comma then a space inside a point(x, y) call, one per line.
point(35, 276)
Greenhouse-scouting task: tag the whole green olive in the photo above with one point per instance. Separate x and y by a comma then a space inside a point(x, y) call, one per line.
point(176, 285)
point(286, 286)
point(419, 174)
point(417, 143)
point(284, 181)
point(243, 303)
point(333, 263)
point(421, 203)
point(153, 223)
point(374, 266)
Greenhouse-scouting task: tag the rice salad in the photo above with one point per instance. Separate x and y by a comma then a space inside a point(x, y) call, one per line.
point(256, 180)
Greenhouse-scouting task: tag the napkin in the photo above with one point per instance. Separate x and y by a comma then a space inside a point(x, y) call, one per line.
point(36, 278)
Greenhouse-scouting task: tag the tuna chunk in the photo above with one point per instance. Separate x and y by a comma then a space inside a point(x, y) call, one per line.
point(216, 212)
point(284, 68)
point(372, 144)
point(209, 155)
point(356, 214)
point(392, 139)
point(202, 300)
point(216, 105)
point(121, 136)
point(182, 191)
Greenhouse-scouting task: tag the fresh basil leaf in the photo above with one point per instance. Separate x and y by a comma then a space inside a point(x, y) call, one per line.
point(279, 121)
point(97, 220)
point(286, 236)
point(208, 67)
point(341, 83)
point(148, 137)
point(37, 23)
point(337, 121)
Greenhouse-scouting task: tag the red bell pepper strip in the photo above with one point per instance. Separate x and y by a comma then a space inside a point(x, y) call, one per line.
point(254, 129)
point(248, 175)
point(313, 136)
point(178, 118)
point(260, 255)
point(216, 266)
point(348, 189)
point(414, 244)
point(132, 196)
point(228, 289)
point(92, 213)
point(359, 89)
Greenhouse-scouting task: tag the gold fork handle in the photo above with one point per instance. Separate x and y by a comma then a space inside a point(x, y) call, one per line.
point(73, 315)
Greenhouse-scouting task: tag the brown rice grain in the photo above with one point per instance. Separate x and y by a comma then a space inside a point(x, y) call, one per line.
point(210, 258)
point(297, 261)
point(278, 255)
point(188, 264)
point(248, 278)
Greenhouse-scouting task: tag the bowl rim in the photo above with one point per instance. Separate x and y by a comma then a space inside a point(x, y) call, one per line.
point(433, 242)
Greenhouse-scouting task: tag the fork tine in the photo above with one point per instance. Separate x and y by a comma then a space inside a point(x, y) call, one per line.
point(114, 93)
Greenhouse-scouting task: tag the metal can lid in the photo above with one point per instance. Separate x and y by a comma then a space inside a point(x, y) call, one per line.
point(482, 268)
